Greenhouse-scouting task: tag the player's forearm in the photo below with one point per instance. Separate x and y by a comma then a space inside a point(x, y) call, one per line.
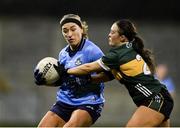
point(80, 70)
point(85, 69)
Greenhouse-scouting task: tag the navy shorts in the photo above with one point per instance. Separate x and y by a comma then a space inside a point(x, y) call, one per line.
point(64, 110)
point(162, 102)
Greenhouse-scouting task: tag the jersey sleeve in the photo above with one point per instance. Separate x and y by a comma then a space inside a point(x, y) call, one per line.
point(110, 60)
point(62, 56)
point(95, 53)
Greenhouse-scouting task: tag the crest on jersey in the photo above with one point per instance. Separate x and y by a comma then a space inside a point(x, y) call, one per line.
point(129, 45)
point(78, 62)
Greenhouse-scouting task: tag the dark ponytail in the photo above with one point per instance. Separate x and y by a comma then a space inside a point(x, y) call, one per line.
point(128, 29)
point(146, 54)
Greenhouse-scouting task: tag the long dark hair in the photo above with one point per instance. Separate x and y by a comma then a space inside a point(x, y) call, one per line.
point(127, 28)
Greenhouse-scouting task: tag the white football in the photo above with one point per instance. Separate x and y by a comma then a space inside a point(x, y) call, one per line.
point(49, 72)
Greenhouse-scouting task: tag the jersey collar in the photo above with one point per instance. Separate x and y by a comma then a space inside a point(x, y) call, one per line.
point(79, 48)
point(123, 43)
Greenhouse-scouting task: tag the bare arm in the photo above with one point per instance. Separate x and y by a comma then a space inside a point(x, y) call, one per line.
point(85, 69)
point(89, 68)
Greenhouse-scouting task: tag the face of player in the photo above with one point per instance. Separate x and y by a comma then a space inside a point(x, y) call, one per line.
point(115, 39)
point(72, 34)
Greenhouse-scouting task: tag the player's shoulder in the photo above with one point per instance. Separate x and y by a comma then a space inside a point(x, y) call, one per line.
point(63, 51)
point(90, 45)
point(122, 49)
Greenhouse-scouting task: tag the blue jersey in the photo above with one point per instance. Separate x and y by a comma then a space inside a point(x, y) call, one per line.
point(168, 82)
point(87, 52)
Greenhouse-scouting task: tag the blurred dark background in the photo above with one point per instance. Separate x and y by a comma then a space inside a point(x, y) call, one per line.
point(29, 31)
point(138, 9)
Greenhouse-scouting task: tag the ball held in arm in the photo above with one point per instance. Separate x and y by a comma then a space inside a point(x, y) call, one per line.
point(45, 73)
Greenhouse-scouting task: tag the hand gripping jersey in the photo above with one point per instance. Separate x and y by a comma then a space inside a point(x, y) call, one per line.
point(131, 70)
point(81, 94)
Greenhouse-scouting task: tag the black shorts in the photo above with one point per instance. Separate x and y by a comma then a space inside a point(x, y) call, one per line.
point(162, 102)
point(65, 110)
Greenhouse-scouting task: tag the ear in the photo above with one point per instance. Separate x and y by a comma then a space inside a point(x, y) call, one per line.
point(82, 31)
point(123, 38)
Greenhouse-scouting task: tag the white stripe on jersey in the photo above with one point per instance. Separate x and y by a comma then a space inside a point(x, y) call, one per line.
point(105, 67)
point(147, 90)
point(143, 90)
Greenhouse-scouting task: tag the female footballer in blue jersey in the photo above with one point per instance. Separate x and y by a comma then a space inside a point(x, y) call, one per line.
point(133, 66)
point(79, 102)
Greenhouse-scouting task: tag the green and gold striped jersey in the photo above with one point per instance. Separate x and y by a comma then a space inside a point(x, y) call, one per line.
point(130, 69)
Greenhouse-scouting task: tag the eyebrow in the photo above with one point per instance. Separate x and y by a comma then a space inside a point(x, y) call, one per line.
point(70, 27)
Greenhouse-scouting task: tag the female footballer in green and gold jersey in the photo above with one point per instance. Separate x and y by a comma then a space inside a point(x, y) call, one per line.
point(133, 66)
